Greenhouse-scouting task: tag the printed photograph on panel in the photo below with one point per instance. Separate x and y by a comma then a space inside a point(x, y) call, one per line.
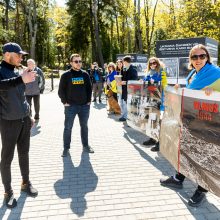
point(199, 143)
point(171, 125)
point(171, 66)
point(183, 67)
point(144, 108)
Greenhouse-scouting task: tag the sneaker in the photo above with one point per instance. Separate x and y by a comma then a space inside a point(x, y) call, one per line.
point(156, 147)
point(29, 189)
point(9, 199)
point(171, 182)
point(197, 198)
point(122, 119)
point(65, 153)
point(151, 141)
point(88, 150)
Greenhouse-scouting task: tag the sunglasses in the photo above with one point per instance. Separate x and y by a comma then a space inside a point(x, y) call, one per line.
point(200, 56)
point(77, 61)
point(153, 63)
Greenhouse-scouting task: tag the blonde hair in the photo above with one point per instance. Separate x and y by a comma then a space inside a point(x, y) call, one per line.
point(111, 64)
point(159, 64)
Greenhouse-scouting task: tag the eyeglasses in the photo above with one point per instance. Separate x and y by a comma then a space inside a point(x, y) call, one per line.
point(200, 56)
point(153, 63)
point(77, 61)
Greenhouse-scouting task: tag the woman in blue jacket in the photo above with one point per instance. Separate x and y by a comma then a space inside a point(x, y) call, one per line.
point(156, 75)
point(203, 76)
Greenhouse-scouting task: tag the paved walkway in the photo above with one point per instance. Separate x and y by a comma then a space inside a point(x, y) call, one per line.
point(119, 181)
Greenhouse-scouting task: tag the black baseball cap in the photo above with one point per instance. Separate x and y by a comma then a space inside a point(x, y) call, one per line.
point(13, 48)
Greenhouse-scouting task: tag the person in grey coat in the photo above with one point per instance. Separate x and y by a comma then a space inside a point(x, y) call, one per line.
point(34, 89)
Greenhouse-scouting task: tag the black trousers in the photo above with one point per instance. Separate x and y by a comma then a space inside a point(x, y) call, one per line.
point(36, 99)
point(14, 132)
point(181, 178)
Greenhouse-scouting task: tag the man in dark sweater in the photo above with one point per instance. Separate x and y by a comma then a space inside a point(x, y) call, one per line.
point(35, 88)
point(15, 124)
point(129, 73)
point(75, 91)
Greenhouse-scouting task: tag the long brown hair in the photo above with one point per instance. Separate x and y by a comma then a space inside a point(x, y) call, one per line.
point(202, 47)
point(117, 62)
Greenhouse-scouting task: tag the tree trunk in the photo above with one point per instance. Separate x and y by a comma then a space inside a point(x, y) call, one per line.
point(128, 31)
point(117, 26)
point(97, 38)
point(30, 10)
point(149, 33)
point(146, 14)
point(32, 22)
point(135, 27)
point(94, 58)
point(140, 42)
point(122, 44)
point(111, 40)
point(6, 26)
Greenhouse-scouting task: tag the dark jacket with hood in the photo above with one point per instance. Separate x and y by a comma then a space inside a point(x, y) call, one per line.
point(13, 104)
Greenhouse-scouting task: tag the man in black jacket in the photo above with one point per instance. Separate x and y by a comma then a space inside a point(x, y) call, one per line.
point(26, 77)
point(75, 91)
point(97, 81)
point(15, 125)
point(129, 73)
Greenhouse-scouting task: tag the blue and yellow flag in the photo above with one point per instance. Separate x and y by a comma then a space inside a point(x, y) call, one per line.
point(112, 82)
point(207, 77)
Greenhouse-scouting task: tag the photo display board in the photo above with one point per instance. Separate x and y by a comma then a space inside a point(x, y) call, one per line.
point(138, 60)
point(174, 54)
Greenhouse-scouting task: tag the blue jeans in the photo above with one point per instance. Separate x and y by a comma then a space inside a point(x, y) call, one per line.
point(70, 113)
point(123, 105)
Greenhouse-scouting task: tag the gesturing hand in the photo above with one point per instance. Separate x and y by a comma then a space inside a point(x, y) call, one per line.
point(28, 76)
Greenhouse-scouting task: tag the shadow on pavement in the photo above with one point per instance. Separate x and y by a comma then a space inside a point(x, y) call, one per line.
point(76, 183)
point(99, 105)
point(134, 137)
point(16, 212)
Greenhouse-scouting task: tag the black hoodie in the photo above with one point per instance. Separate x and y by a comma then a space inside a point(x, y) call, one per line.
point(75, 87)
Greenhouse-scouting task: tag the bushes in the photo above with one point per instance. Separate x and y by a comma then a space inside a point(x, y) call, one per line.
point(48, 72)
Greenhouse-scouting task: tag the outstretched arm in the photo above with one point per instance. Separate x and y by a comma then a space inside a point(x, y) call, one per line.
point(26, 77)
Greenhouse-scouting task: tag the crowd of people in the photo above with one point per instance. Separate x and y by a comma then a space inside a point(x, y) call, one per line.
point(77, 89)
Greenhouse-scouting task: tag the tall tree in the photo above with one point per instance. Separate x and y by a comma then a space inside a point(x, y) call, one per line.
point(149, 27)
point(96, 32)
point(30, 10)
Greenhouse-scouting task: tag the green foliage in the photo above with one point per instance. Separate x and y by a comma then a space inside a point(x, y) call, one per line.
point(62, 31)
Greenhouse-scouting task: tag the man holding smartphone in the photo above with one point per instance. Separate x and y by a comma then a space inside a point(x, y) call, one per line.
point(15, 125)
